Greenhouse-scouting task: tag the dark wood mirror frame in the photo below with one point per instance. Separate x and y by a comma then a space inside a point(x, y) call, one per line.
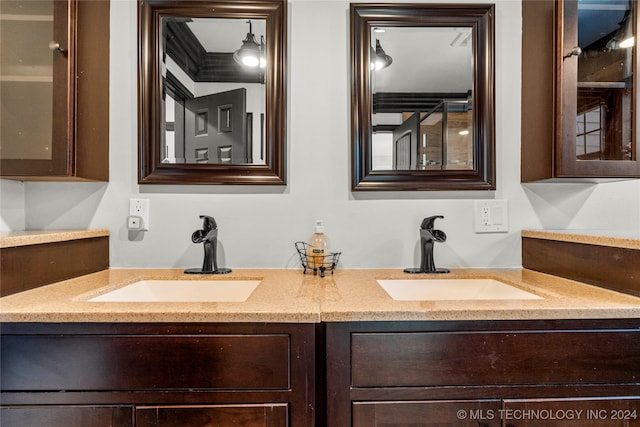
point(150, 168)
point(481, 19)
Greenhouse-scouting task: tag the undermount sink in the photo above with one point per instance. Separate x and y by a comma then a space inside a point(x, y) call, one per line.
point(181, 291)
point(453, 289)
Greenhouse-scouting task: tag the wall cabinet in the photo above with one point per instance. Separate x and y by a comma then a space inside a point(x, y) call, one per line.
point(474, 373)
point(54, 76)
point(248, 375)
point(579, 91)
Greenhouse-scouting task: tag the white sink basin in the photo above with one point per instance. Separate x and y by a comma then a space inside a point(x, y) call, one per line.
point(181, 291)
point(453, 289)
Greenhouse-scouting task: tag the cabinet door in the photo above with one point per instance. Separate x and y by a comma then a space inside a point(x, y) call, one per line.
point(37, 94)
point(596, 66)
point(462, 413)
point(583, 412)
point(267, 415)
point(66, 416)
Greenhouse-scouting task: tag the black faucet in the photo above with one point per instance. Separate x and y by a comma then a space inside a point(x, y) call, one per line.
point(209, 237)
point(428, 236)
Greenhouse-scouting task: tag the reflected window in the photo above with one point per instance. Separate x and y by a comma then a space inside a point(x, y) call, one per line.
point(589, 133)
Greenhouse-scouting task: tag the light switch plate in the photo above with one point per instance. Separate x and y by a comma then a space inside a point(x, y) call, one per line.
point(491, 216)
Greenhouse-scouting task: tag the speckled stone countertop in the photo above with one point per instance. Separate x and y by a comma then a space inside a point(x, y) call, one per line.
point(290, 296)
point(36, 237)
point(591, 237)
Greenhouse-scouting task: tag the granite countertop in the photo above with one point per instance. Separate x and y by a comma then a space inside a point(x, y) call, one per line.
point(591, 237)
point(36, 237)
point(291, 296)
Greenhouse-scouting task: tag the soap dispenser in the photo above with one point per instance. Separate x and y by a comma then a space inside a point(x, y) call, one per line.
point(318, 246)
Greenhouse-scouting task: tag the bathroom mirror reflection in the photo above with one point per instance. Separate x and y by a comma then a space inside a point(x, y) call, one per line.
point(214, 100)
point(422, 97)
point(212, 92)
point(422, 110)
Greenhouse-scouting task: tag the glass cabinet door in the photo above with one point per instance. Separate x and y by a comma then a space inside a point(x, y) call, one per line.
point(36, 67)
point(597, 97)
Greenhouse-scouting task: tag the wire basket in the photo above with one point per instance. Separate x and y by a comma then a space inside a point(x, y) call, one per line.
point(316, 263)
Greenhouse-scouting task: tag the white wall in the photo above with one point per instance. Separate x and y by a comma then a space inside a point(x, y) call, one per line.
point(12, 216)
point(258, 226)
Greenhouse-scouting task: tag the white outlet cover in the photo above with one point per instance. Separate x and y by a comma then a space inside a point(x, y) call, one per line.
point(491, 216)
point(140, 208)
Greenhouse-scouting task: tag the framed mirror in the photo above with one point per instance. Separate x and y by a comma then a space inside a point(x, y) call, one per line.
point(212, 92)
point(422, 97)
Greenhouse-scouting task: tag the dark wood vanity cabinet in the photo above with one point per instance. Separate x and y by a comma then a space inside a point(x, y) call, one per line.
point(473, 373)
point(159, 375)
point(579, 115)
point(363, 374)
point(54, 75)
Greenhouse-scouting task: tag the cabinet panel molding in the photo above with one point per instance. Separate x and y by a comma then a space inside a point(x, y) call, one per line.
point(70, 362)
point(265, 415)
point(67, 416)
point(493, 358)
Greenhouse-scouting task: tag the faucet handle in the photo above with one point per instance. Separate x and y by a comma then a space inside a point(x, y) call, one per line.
point(428, 223)
point(209, 222)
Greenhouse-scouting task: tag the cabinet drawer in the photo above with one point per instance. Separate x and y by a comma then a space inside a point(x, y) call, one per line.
point(67, 416)
point(265, 415)
point(591, 412)
point(437, 413)
point(125, 362)
point(494, 358)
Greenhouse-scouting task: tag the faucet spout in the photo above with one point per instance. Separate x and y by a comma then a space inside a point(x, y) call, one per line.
point(208, 236)
point(428, 236)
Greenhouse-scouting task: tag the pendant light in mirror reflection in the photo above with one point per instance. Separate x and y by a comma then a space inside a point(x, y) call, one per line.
point(623, 37)
point(379, 58)
point(251, 54)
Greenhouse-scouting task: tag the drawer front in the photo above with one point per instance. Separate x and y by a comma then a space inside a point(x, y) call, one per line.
point(70, 362)
point(266, 415)
point(437, 413)
point(494, 358)
point(66, 416)
point(587, 412)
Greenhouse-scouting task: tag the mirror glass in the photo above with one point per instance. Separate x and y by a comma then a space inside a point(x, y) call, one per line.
point(212, 100)
point(434, 132)
point(422, 97)
point(214, 108)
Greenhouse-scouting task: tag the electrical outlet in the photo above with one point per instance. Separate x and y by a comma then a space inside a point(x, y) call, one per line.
point(491, 216)
point(140, 208)
point(485, 216)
